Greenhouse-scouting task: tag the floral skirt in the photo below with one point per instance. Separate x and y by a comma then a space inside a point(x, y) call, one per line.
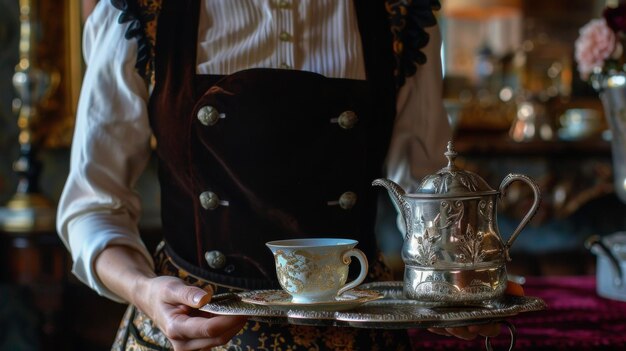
point(138, 332)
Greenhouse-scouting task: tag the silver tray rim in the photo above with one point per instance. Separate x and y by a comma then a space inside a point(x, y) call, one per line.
point(391, 312)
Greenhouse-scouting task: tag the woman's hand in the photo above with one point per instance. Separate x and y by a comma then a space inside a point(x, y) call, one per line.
point(173, 305)
point(168, 301)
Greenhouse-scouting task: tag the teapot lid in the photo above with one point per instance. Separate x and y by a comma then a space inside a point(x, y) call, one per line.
point(452, 181)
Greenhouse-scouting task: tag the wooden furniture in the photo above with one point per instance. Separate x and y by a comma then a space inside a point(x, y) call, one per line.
point(62, 313)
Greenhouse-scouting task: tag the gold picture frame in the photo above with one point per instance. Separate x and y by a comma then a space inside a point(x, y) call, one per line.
point(59, 51)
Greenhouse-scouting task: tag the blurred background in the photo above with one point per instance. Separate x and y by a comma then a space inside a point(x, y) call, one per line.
point(512, 93)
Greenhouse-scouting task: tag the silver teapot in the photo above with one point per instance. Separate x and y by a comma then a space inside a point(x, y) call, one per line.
point(453, 252)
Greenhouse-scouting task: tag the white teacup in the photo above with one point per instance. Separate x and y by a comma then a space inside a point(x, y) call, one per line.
point(314, 270)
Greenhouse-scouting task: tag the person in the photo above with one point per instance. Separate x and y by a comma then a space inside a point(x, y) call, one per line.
point(271, 119)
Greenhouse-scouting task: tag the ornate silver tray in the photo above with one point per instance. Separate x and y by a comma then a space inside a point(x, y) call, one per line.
point(393, 311)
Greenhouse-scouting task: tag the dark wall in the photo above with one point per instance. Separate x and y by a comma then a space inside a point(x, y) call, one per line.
point(9, 34)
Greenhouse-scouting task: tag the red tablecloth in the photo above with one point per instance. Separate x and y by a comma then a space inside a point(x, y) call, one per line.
point(576, 319)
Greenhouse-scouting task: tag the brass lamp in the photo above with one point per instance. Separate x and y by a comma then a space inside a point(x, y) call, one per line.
point(29, 210)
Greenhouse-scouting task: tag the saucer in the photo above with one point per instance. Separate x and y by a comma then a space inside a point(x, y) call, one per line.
point(282, 300)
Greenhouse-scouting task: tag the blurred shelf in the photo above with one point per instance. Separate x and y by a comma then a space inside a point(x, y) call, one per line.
point(489, 143)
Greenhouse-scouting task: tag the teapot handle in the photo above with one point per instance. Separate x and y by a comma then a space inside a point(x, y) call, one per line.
point(531, 212)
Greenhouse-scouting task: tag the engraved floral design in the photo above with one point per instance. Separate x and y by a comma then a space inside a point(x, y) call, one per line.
point(436, 287)
point(453, 213)
point(427, 244)
point(450, 214)
point(486, 210)
point(471, 246)
point(446, 179)
point(478, 287)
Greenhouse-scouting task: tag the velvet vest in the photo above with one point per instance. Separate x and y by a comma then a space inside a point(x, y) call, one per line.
point(266, 154)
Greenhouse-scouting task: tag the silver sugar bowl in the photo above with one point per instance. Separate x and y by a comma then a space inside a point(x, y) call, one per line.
point(453, 251)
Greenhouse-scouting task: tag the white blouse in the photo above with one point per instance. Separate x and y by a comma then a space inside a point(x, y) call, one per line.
point(99, 206)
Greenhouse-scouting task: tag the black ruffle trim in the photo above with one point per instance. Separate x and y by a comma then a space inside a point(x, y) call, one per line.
point(409, 18)
point(131, 12)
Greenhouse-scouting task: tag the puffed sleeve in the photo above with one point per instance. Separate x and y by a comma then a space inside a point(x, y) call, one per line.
point(421, 130)
point(99, 206)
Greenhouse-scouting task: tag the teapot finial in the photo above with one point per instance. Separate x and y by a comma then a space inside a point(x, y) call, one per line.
point(451, 156)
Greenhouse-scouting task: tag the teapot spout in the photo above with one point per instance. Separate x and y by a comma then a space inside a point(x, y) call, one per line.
point(397, 195)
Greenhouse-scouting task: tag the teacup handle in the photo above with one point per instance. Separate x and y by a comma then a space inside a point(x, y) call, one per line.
point(345, 257)
point(531, 212)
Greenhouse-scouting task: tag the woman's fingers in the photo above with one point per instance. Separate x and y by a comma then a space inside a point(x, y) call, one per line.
point(177, 292)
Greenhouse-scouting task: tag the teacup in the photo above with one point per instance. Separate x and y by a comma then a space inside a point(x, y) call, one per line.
point(314, 270)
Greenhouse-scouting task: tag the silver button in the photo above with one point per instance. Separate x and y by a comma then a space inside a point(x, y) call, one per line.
point(347, 200)
point(215, 259)
point(284, 36)
point(208, 115)
point(209, 200)
point(347, 119)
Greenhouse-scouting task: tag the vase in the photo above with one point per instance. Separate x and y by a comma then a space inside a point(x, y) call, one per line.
point(612, 92)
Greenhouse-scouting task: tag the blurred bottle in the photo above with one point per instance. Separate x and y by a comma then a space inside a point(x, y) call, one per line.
point(544, 63)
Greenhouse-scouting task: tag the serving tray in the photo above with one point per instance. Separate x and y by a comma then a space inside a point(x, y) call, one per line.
point(393, 311)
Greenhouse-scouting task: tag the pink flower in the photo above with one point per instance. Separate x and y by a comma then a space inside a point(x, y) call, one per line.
point(595, 44)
